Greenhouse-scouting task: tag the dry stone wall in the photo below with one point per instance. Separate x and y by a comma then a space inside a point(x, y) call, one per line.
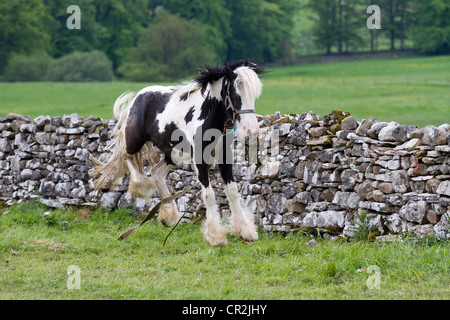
point(327, 170)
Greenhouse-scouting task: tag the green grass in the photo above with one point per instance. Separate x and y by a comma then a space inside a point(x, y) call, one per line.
point(411, 90)
point(35, 253)
point(60, 98)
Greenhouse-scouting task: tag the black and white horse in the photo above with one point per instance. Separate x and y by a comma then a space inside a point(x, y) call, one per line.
point(218, 98)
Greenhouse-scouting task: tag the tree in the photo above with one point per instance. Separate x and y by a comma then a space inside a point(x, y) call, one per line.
point(122, 22)
point(27, 68)
point(351, 18)
point(389, 10)
point(81, 66)
point(169, 49)
point(22, 28)
point(337, 24)
point(64, 40)
point(432, 30)
point(260, 29)
point(407, 9)
point(374, 33)
point(213, 16)
point(107, 25)
point(324, 30)
point(397, 17)
point(302, 35)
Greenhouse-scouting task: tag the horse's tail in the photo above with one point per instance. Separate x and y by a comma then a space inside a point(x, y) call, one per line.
point(111, 171)
point(122, 106)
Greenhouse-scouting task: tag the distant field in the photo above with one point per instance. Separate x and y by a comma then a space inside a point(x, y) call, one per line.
point(407, 90)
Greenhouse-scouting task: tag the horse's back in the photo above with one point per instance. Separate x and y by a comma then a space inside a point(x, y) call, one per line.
point(141, 123)
point(157, 111)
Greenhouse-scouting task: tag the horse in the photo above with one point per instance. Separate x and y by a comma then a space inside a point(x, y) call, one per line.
point(148, 127)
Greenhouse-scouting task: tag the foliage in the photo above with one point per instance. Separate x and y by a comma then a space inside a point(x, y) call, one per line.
point(260, 29)
point(27, 68)
point(115, 27)
point(81, 66)
point(121, 23)
point(432, 31)
point(22, 28)
point(446, 232)
point(108, 26)
point(171, 48)
point(362, 230)
point(324, 29)
point(341, 25)
point(65, 41)
point(212, 16)
point(265, 31)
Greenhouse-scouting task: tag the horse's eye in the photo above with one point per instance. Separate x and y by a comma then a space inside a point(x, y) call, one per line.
point(237, 97)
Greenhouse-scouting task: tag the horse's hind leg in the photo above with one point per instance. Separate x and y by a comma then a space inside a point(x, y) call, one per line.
point(140, 185)
point(168, 215)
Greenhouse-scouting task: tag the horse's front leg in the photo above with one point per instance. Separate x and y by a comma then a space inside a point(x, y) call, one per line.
point(242, 221)
point(213, 231)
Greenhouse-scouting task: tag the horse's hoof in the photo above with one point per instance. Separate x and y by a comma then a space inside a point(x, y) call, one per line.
point(168, 222)
point(248, 233)
point(165, 223)
point(169, 215)
point(216, 240)
point(217, 243)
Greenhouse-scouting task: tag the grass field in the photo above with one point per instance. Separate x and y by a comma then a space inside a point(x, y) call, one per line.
point(406, 90)
point(411, 90)
point(36, 251)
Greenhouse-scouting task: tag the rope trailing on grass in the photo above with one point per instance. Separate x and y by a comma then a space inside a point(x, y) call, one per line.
point(154, 211)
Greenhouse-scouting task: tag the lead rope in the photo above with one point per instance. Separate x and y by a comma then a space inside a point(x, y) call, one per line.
point(179, 220)
point(155, 209)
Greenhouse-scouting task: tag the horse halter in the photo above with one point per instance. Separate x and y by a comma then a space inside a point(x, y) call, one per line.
point(229, 124)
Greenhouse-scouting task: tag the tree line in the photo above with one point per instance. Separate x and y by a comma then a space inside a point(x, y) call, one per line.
point(159, 40)
point(341, 25)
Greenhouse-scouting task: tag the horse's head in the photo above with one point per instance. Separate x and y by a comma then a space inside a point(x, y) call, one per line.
point(238, 86)
point(241, 87)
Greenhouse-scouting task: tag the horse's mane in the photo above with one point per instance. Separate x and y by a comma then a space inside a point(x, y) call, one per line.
point(210, 74)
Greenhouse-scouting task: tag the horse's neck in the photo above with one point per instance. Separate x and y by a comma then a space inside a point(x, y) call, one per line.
point(216, 88)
